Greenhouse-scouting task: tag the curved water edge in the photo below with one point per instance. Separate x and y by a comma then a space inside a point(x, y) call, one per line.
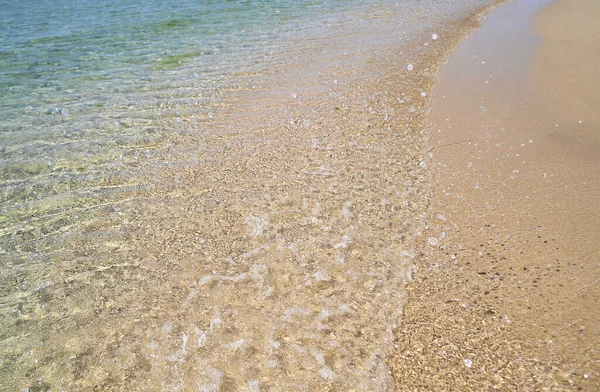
point(255, 234)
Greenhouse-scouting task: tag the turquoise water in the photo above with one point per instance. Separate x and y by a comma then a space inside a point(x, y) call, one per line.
point(85, 88)
point(74, 56)
point(191, 195)
point(66, 64)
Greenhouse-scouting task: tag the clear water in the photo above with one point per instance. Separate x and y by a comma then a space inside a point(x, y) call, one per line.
point(210, 195)
point(83, 83)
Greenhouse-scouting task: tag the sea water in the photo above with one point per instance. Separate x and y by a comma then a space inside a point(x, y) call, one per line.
point(211, 195)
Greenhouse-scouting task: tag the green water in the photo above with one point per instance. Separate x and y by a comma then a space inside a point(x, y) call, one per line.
point(173, 211)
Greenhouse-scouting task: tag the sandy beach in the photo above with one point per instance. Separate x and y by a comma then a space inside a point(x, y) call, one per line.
point(300, 196)
point(507, 291)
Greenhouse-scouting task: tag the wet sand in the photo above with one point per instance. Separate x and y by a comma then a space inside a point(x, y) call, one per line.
point(271, 249)
point(507, 290)
point(270, 245)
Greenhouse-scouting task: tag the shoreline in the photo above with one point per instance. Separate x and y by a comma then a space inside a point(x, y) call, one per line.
point(504, 290)
point(269, 244)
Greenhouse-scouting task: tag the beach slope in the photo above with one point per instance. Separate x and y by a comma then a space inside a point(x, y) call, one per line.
point(507, 292)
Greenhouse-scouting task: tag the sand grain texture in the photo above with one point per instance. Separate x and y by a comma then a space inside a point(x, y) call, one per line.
point(507, 292)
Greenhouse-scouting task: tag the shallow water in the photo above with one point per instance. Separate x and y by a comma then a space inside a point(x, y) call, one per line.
point(213, 196)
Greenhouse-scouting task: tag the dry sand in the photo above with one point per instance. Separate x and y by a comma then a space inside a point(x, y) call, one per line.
point(507, 295)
